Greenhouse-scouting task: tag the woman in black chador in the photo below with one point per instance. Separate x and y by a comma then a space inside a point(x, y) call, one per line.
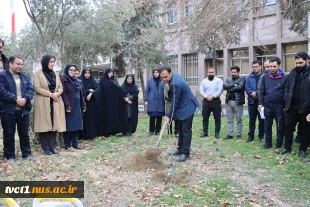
point(130, 94)
point(89, 119)
point(111, 106)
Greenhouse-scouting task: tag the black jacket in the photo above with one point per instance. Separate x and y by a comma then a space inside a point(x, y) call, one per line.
point(5, 62)
point(8, 92)
point(229, 85)
point(304, 106)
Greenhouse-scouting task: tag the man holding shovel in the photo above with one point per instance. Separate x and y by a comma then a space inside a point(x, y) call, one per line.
point(183, 106)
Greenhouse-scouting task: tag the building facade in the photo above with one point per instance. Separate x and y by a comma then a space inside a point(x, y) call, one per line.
point(263, 37)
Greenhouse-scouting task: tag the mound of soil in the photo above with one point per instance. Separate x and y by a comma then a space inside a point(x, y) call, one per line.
point(152, 154)
point(144, 162)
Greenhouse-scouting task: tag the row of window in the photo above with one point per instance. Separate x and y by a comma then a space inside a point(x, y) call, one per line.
point(239, 57)
point(172, 15)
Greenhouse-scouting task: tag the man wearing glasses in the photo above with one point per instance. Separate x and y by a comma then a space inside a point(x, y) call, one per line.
point(251, 90)
point(4, 62)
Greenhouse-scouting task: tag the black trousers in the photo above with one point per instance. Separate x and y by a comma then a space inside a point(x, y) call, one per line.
point(176, 127)
point(253, 113)
point(48, 140)
point(185, 135)
point(214, 107)
point(71, 137)
point(9, 122)
point(291, 119)
point(155, 123)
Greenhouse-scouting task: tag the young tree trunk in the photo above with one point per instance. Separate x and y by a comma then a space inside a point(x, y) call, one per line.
point(140, 72)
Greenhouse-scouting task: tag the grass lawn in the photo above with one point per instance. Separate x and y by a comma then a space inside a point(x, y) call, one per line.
point(118, 172)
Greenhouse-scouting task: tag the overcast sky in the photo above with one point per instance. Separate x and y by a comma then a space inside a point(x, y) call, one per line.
point(21, 17)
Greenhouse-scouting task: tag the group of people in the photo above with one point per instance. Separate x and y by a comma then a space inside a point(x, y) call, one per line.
point(272, 95)
point(80, 108)
point(77, 105)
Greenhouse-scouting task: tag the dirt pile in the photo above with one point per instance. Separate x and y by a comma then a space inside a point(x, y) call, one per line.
point(148, 161)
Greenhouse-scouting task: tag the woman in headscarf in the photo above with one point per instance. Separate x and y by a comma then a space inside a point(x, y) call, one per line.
point(154, 101)
point(74, 105)
point(89, 119)
point(49, 113)
point(111, 106)
point(130, 94)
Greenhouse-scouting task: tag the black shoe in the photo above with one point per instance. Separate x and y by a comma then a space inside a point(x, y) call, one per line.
point(176, 135)
point(182, 158)
point(151, 133)
point(250, 139)
point(302, 154)
point(78, 148)
point(228, 137)
point(204, 134)
point(266, 146)
point(129, 134)
point(47, 152)
point(54, 151)
point(156, 133)
point(217, 135)
point(176, 152)
point(239, 137)
point(284, 151)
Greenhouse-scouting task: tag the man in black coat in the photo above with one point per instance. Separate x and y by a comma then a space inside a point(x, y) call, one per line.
point(16, 92)
point(4, 62)
point(297, 104)
point(234, 101)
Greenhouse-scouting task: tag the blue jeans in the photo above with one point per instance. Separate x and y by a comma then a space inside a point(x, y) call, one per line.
point(270, 114)
point(9, 122)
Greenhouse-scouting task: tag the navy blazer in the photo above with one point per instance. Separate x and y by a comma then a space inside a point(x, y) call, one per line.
point(183, 102)
point(8, 92)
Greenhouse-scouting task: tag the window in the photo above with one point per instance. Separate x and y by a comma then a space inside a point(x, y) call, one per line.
point(219, 62)
point(171, 16)
point(189, 6)
point(265, 52)
point(190, 65)
point(267, 6)
point(240, 58)
point(289, 55)
point(172, 62)
point(270, 5)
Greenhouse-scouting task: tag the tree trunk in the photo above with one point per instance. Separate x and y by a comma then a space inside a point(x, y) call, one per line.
point(140, 72)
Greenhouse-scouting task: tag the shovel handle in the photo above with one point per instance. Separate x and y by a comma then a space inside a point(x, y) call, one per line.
point(161, 134)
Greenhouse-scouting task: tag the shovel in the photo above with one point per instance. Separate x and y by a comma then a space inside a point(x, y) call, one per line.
point(160, 135)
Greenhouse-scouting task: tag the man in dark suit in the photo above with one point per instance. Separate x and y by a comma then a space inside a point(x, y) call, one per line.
point(183, 106)
point(16, 93)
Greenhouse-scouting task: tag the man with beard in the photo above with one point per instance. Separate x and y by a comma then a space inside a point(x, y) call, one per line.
point(183, 106)
point(4, 62)
point(251, 90)
point(234, 100)
point(297, 104)
point(271, 100)
point(211, 89)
